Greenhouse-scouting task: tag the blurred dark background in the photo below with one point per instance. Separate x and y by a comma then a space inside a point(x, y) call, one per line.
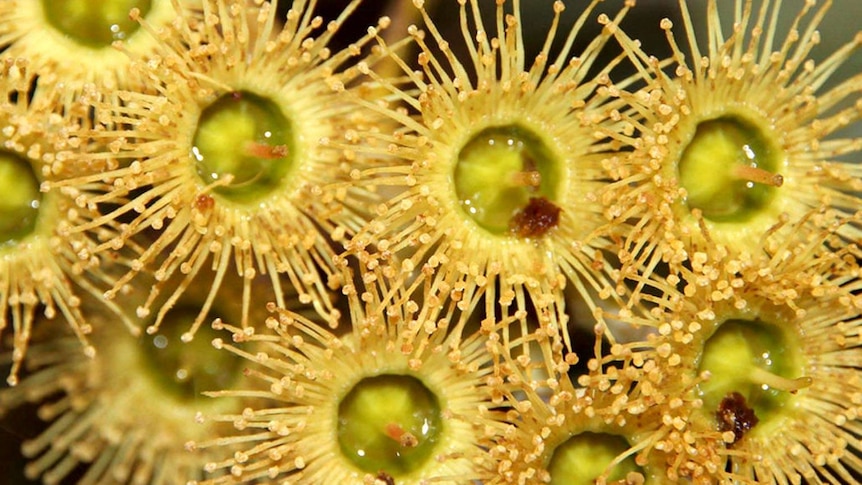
point(839, 26)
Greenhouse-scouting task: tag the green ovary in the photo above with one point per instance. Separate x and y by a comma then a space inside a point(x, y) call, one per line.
point(95, 23)
point(754, 359)
point(584, 457)
point(389, 423)
point(248, 138)
point(729, 169)
point(185, 370)
point(499, 170)
point(19, 205)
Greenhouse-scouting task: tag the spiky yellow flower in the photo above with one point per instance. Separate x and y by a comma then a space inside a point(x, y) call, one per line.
point(126, 415)
point(597, 427)
point(499, 162)
point(226, 162)
point(737, 139)
point(784, 391)
point(41, 266)
point(761, 376)
point(404, 397)
point(82, 41)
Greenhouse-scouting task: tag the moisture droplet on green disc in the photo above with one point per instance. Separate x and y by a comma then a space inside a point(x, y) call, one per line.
point(499, 171)
point(187, 369)
point(729, 169)
point(247, 137)
point(19, 206)
point(95, 23)
point(389, 423)
point(584, 457)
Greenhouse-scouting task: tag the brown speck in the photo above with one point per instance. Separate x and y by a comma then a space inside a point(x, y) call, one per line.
point(236, 95)
point(399, 434)
point(409, 440)
point(385, 478)
point(203, 203)
point(536, 219)
point(735, 415)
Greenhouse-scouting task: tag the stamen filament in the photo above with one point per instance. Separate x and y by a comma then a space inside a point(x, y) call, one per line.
point(394, 431)
point(262, 150)
point(527, 179)
point(762, 376)
point(758, 175)
point(404, 438)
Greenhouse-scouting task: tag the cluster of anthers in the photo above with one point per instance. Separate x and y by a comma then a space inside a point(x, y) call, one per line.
point(427, 257)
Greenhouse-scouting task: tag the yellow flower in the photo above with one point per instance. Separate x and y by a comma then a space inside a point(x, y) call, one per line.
point(760, 380)
point(127, 414)
point(738, 140)
point(596, 427)
point(226, 162)
point(41, 265)
point(405, 396)
point(74, 40)
point(498, 161)
point(783, 391)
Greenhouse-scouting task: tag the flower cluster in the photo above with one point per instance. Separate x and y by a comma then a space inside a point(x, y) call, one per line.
point(431, 250)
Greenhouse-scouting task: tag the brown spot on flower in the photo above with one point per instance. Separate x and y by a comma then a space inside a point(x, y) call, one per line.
point(409, 440)
point(385, 478)
point(735, 415)
point(203, 203)
point(536, 219)
point(399, 434)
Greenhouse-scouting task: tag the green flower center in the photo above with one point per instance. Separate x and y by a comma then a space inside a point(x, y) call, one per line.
point(95, 23)
point(389, 424)
point(19, 205)
point(244, 145)
point(754, 369)
point(728, 169)
point(506, 179)
point(186, 370)
point(581, 459)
